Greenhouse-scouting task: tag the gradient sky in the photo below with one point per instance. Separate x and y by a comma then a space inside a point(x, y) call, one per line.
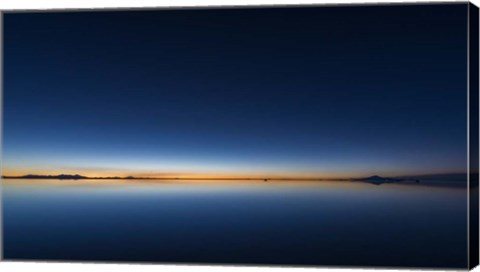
point(321, 92)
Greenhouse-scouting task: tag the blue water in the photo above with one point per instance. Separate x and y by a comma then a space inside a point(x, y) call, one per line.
point(288, 223)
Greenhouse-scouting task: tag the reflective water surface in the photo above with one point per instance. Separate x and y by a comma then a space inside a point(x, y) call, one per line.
point(336, 223)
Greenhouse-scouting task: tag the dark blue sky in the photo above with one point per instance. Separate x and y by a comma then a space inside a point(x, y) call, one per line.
point(329, 91)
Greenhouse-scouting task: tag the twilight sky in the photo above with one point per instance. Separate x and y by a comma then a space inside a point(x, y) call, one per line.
point(307, 92)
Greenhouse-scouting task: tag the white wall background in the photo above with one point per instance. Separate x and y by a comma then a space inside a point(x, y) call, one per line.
point(80, 267)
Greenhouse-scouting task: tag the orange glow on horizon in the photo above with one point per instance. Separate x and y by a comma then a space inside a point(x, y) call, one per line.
point(22, 171)
point(180, 175)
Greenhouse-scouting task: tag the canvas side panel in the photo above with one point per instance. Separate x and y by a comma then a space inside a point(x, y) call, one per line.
point(473, 136)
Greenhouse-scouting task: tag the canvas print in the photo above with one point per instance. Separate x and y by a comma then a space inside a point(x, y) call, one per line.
point(341, 135)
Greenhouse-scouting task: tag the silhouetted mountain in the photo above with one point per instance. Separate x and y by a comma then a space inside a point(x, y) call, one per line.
point(378, 178)
point(61, 176)
point(64, 176)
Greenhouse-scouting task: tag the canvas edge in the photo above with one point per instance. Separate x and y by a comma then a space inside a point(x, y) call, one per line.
point(2, 58)
point(249, 6)
point(473, 136)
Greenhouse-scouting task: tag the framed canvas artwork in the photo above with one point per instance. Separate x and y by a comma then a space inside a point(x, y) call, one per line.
point(310, 135)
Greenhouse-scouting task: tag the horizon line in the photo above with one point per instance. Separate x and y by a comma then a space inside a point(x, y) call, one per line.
point(78, 176)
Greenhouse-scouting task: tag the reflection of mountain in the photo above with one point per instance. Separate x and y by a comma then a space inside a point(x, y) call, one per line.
point(377, 180)
point(435, 177)
point(452, 178)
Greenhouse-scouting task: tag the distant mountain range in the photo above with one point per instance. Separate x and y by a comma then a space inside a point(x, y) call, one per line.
point(379, 180)
point(372, 179)
point(61, 176)
point(417, 179)
point(76, 177)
